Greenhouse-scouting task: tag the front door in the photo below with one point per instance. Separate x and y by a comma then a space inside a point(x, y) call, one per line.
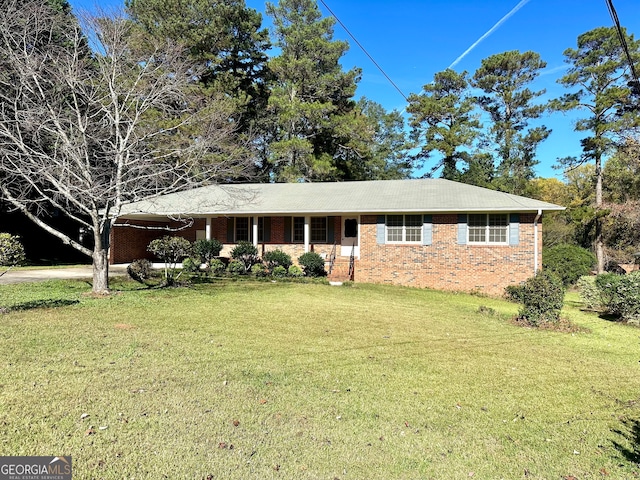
point(349, 237)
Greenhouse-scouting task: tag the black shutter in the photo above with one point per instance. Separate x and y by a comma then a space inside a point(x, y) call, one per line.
point(230, 229)
point(287, 229)
point(331, 231)
point(266, 229)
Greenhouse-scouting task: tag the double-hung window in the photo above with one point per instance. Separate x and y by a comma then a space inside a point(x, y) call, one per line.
point(298, 229)
point(243, 229)
point(319, 229)
point(404, 228)
point(488, 229)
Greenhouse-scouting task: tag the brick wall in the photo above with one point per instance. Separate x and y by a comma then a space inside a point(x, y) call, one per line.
point(445, 265)
point(130, 243)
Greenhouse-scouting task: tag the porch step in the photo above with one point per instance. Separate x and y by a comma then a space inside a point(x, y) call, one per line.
point(340, 271)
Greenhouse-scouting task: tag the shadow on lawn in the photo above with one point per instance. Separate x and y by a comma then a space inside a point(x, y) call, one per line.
point(50, 303)
point(629, 445)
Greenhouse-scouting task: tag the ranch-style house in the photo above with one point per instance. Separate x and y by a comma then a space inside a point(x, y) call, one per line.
point(431, 233)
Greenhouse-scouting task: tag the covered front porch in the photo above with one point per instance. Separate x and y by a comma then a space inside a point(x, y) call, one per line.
point(336, 238)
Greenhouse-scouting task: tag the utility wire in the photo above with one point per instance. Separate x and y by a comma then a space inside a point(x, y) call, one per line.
point(625, 47)
point(364, 50)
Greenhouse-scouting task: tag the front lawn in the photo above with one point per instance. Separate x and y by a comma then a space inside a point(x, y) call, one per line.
point(261, 380)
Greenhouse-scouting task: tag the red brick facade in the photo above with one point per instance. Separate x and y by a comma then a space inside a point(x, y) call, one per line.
point(443, 265)
point(130, 243)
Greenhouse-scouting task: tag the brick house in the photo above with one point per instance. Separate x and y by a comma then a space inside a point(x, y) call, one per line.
point(431, 233)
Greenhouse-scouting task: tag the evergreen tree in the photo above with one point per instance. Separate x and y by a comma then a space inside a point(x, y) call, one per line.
point(598, 69)
point(311, 102)
point(505, 78)
point(388, 146)
point(442, 119)
point(224, 37)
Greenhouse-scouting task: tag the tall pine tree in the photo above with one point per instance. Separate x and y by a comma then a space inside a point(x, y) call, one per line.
point(443, 121)
point(504, 79)
point(311, 104)
point(223, 36)
point(599, 73)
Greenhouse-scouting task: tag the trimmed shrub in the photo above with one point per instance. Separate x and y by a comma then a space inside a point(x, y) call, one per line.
point(620, 295)
point(514, 293)
point(247, 254)
point(191, 265)
point(589, 292)
point(569, 262)
point(207, 250)
point(217, 266)
point(279, 272)
point(312, 264)
point(259, 270)
point(276, 258)
point(11, 250)
point(170, 250)
point(295, 271)
point(140, 270)
point(543, 298)
point(607, 285)
point(236, 267)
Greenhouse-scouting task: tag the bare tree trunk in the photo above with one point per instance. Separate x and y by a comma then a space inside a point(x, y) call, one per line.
point(101, 258)
point(100, 271)
point(599, 243)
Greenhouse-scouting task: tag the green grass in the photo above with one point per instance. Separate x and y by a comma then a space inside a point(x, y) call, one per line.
point(260, 380)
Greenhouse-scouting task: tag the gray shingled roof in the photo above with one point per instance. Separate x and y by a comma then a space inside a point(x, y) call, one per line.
point(384, 196)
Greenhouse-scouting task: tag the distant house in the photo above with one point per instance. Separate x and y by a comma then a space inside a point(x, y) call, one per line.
point(425, 233)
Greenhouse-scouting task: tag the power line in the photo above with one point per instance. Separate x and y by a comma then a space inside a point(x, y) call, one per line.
point(364, 50)
point(623, 41)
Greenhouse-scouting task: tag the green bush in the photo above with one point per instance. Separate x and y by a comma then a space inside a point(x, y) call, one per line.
point(295, 271)
point(312, 264)
point(543, 298)
point(589, 292)
point(259, 270)
point(11, 250)
point(607, 285)
point(191, 265)
point(171, 250)
point(514, 293)
point(207, 250)
point(247, 254)
point(236, 267)
point(620, 295)
point(279, 271)
point(217, 266)
point(569, 262)
point(276, 258)
point(140, 270)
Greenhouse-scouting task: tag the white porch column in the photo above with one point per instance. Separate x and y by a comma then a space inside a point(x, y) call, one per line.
point(254, 227)
point(307, 222)
point(207, 229)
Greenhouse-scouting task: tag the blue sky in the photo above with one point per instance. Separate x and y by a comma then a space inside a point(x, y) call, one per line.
point(413, 39)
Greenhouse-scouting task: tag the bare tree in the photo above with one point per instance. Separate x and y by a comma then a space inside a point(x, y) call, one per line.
point(94, 115)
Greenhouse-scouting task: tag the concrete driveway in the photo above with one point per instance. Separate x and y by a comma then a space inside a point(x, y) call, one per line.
point(37, 275)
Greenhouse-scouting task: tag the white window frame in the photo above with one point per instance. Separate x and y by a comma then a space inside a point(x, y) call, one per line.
point(488, 228)
point(404, 230)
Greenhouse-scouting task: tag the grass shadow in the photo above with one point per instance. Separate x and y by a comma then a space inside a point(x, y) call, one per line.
point(629, 445)
point(33, 304)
